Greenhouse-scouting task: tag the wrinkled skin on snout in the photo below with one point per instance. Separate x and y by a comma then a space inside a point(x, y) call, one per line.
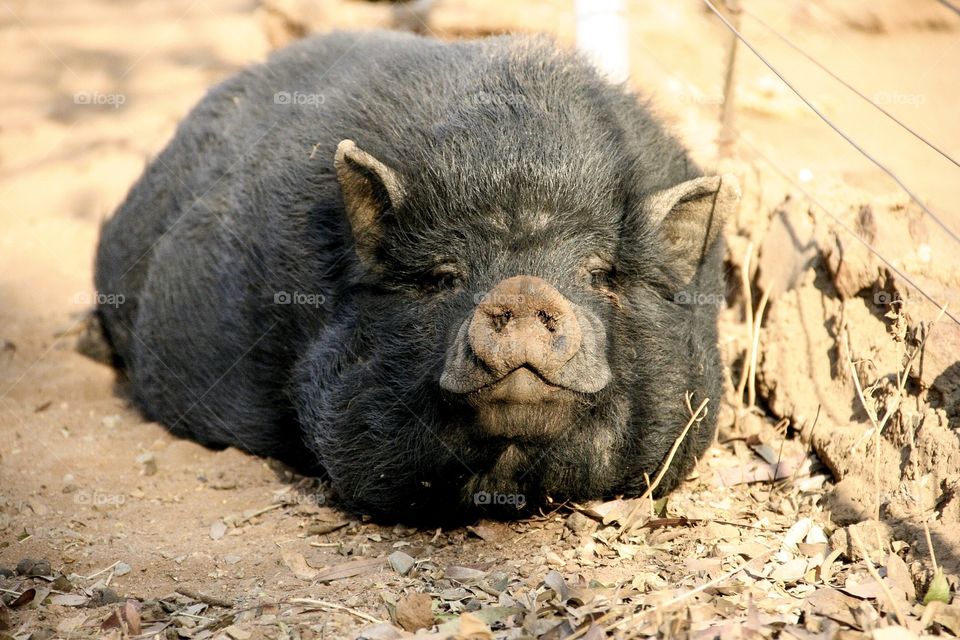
point(445, 305)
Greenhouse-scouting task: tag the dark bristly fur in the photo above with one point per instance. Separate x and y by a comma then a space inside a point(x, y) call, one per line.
point(516, 158)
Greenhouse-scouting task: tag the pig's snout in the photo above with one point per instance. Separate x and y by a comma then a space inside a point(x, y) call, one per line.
point(524, 322)
point(524, 344)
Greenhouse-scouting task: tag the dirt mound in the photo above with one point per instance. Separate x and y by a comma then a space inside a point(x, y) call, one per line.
point(848, 346)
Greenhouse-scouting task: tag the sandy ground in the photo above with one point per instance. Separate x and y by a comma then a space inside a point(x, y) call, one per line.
point(93, 89)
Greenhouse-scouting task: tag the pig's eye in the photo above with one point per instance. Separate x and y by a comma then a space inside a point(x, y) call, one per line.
point(601, 278)
point(600, 272)
point(444, 276)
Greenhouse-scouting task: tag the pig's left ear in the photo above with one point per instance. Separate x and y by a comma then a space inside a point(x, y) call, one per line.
point(691, 215)
point(370, 189)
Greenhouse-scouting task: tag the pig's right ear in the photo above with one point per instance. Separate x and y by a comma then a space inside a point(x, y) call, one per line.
point(370, 189)
point(691, 215)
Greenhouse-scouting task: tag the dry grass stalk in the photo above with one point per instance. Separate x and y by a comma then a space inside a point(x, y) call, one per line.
point(872, 570)
point(748, 315)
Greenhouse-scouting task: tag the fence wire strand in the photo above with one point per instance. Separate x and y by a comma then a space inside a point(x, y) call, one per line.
point(809, 196)
point(831, 124)
point(950, 6)
point(846, 84)
point(693, 91)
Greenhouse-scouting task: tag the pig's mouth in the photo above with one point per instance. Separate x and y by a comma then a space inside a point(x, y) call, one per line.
point(526, 344)
point(523, 385)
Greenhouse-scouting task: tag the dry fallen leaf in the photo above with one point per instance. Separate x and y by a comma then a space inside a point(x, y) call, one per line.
point(415, 611)
point(473, 628)
point(757, 471)
point(298, 564)
point(830, 603)
point(893, 632)
point(131, 613)
point(463, 574)
point(826, 567)
point(862, 587)
point(898, 575)
point(349, 569)
point(611, 511)
point(69, 626)
point(945, 615)
point(323, 528)
point(486, 532)
point(24, 598)
point(236, 632)
point(796, 534)
point(790, 571)
point(69, 600)
point(557, 584)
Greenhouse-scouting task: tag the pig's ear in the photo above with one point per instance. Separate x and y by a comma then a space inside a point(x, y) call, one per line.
point(691, 215)
point(370, 188)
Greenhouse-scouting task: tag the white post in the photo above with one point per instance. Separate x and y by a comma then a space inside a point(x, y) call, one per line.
point(602, 36)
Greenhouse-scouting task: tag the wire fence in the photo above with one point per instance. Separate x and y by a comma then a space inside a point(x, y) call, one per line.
point(883, 167)
point(739, 37)
point(846, 84)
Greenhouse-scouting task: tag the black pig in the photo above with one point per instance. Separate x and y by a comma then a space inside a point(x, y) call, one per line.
point(451, 277)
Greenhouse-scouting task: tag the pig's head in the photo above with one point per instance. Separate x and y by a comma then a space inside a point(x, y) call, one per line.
point(512, 330)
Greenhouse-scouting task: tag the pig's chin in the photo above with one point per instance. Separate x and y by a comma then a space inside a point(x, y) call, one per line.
point(522, 405)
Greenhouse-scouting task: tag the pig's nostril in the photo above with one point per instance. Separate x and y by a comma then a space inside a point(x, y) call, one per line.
point(501, 320)
point(549, 321)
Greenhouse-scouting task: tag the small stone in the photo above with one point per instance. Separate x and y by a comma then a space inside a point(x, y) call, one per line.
point(32, 568)
point(148, 464)
point(110, 422)
point(401, 562)
point(121, 569)
point(238, 633)
point(61, 583)
point(232, 559)
point(218, 529)
point(103, 596)
point(579, 523)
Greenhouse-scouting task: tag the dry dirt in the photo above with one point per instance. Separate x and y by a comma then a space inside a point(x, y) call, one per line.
point(104, 517)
